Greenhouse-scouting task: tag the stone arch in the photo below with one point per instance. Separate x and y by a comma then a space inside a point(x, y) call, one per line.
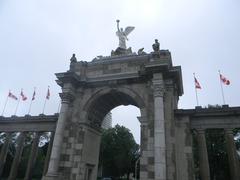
point(107, 82)
point(106, 99)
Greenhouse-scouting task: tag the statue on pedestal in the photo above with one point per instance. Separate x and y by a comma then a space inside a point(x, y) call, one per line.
point(156, 49)
point(156, 46)
point(73, 59)
point(122, 35)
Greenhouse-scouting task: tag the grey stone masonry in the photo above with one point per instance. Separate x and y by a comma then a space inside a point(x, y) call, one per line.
point(183, 150)
point(108, 82)
point(28, 123)
point(200, 119)
point(67, 98)
point(47, 158)
point(233, 159)
point(160, 165)
point(203, 155)
point(17, 156)
point(4, 151)
point(32, 157)
point(90, 90)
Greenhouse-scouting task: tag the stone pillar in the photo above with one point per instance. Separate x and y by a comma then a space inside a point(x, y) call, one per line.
point(58, 138)
point(159, 129)
point(143, 148)
point(17, 156)
point(203, 155)
point(4, 151)
point(232, 155)
point(33, 157)
point(46, 161)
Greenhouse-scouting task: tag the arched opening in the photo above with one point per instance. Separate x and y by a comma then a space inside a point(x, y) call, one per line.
point(99, 106)
point(125, 105)
point(127, 116)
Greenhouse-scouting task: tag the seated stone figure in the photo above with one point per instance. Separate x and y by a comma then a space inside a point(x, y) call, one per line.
point(156, 46)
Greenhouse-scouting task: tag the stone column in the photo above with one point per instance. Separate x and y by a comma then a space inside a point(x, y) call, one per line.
point(159, 129)
point(4, 151)
point(203, 155)
point(46, 161)
point(144, 142)
point(33, 157)
point(17, 156)
point(58, 138)
point(232, 155)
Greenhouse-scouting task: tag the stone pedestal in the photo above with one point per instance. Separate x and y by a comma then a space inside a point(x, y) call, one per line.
point(232, 155)
point(159, 129)
point(203, 155)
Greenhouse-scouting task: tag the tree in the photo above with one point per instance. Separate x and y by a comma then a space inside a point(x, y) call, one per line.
point(118, 152)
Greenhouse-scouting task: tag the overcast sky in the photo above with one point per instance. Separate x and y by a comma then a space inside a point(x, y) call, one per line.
point(38, 38)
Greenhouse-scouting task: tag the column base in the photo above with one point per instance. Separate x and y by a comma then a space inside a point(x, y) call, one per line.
point(51, 176)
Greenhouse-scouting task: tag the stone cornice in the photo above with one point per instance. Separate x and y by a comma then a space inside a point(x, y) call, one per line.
point(122, 70)
point(41, 123)
point(210, 118)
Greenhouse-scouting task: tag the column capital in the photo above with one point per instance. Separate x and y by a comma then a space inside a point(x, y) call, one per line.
point(158, 90)
point(66, 97)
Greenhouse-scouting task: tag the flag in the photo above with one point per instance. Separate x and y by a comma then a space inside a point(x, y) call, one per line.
point(224, 80)
point(34, 94)
point(48, 94)
point(24, 98)
point(12, 96)
point(197, 84)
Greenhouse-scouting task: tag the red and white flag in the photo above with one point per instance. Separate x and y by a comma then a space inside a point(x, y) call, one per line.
point(34, 94)
point(48, 94)
point(224, 80)
point(11, 95)
point(24, 98)
point(197, 84)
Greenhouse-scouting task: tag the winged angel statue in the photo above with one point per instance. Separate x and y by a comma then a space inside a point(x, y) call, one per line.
point(122, 35)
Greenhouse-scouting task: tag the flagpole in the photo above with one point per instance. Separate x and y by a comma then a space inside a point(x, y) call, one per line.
point(31, 103)
point(221, 87)
point(195, 90)
point(5, 105)
point(17, 105)
point(45, 100)
point(44, 105)
point(29, 108)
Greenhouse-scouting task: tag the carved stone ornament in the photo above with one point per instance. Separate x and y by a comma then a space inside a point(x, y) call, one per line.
point(158, 89)
point(66, 97)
